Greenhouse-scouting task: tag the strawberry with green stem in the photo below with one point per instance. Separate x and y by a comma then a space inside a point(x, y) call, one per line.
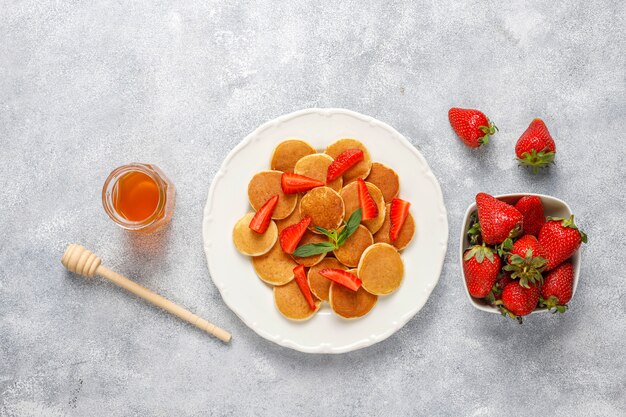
point(525, 261)
point(518, 301)
point(471, 126)
point(498, 220)
point(557, 289)
point(560, 238)
point(480, 268)
point(535, 148)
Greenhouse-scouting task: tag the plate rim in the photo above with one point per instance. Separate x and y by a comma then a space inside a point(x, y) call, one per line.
point(401, 321)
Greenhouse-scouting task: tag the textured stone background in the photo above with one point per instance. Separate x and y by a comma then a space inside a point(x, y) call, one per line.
point(86, 86)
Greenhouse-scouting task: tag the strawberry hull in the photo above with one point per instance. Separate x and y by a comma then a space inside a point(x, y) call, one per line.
point(552, 207)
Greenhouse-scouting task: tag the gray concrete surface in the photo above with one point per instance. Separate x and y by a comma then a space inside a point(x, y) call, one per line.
point(86, 86)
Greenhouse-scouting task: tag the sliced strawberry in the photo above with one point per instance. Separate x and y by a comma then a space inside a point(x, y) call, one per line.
point(346, 160)
point(342, 277)
point(290, 236)
point(294, 183)
point(261, 220)
point(300, 276)
point(367, 203)
point(399, 211)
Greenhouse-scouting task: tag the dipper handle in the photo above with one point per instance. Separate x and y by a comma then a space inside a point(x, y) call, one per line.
point(81, 261)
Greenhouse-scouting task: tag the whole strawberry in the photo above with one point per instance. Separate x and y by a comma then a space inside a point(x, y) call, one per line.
point(557, 288)
point(532, 209)
point(498, 220)
point(535, 148)
point(519, 301)
point(480, 267)
point(560, 238)
point(525, 261)
point(472, 126)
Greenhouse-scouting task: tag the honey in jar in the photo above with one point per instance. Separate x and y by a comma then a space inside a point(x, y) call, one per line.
point(139, 197)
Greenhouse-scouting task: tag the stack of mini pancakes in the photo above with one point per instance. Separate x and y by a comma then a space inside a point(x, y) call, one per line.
point(367, 253)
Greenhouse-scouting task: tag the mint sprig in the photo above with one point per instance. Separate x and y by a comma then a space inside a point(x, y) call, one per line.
point(336, 238)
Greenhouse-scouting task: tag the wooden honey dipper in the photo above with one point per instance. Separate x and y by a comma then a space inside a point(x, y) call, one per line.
point(81, 261)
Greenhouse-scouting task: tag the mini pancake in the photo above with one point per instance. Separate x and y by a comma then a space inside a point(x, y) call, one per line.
point(292, 219)
point(251, 243)
point(310, 237)
point(316, 166)
point(275, 267)
point(381, 269)
point(291, 303)
point(287, 153)
point(350, 196)
point(324, 206)
point(264, 186)
point(350, 252)
point(350, 304)
point(360, 170)
point(385, 179)
point(320, 285)
point(406, 233)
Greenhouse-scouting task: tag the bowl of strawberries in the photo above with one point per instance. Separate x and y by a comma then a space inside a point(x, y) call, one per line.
point(519, 254)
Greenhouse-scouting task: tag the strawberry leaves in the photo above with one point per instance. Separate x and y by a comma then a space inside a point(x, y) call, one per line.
point(336, 238)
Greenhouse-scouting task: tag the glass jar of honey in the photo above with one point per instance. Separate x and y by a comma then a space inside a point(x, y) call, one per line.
point(139, 197)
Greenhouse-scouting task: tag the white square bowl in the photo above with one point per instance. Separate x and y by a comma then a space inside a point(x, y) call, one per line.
point(552, 207)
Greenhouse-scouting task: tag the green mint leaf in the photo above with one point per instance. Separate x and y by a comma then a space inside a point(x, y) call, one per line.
point(311, 249)
point(354, 221)
point(323, 231)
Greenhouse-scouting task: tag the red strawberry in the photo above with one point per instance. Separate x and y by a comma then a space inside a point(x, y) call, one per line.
point(531, 208)
point(302, 282)
point(498, 220)
point(397, 214)
point(535, 148)
point(367, 203)
point(557, 287)
point(342, 277)
point(518, 300)
point(261, 220)
point(346, 160)
point(294, 183)
point(560, 238)
point(472, 126)
point(290, 236)
point(527, 245)
point(526, 261)
point(480, 267)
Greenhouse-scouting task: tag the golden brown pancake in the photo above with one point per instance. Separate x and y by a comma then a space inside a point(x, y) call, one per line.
point(287, 153)
point(292, 219)
point(291, 303)
point(350, 252)
point(316, 166)
point(264, 186)
point(324, 206)
point(360, 170)
point(381, 269)
point(350, 196)
point(350, 304)
point(406, 233)
point(310, 237)
point(320, 285)
point(385, 179)
point(251, 243)
point(275, 267)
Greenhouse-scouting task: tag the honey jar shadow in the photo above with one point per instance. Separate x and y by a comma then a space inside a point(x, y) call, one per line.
point(153, 244)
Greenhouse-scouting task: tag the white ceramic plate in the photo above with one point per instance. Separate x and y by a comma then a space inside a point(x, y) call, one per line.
point(252, 300)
